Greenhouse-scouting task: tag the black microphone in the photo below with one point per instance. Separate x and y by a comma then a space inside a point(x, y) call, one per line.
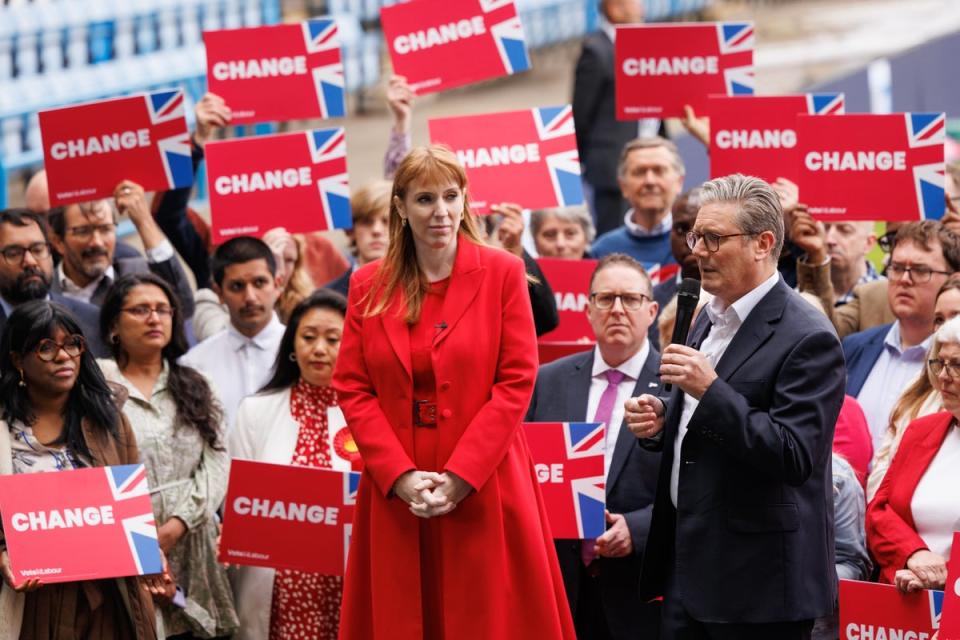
point(688, 295)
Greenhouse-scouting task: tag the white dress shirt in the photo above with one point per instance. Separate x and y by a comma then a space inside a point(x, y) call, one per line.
point(893, 371)
point(936, 502)
point(726, 323)
point(598, 384)
point(239, 366)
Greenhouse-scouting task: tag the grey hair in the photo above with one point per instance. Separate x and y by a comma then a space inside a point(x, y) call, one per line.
point(651, 143)
point(759, 207)
point(578, 214)
point(949, 332)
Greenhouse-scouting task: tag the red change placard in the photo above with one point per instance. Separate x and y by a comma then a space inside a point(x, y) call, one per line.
point(288, 517)
point(279, 72)
point(872, 167)
point(89, 149)
point(294, 180)
point(869, 611)
point(950, 619)
point(568, 457)
point(528, 157)
point(439, 44)
point(570, 281)
point(660, 68)
point(757, 136)
point(86, 524)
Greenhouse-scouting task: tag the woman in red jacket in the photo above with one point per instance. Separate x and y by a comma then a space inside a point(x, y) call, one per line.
point(911, 520)
point(436, 369)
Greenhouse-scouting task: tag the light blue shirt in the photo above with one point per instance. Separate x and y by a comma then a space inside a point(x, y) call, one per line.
point(894, 370)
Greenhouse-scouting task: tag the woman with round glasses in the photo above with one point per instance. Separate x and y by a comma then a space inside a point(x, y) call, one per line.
point(179, 427)
point(911, 520)
point(58, 413)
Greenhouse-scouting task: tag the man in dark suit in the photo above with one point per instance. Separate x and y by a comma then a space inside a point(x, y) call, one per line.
point(601, 577)
point(741, 544)
point(85, 236)
point(26, 270)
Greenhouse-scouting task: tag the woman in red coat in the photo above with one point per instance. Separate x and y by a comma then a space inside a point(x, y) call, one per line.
point(436, 369)
point(911, 520)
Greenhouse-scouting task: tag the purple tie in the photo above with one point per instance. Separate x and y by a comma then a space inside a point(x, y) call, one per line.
point(603, 414)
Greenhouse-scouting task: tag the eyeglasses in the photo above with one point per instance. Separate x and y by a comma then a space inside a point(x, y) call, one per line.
point(14, 253)
point(711, 240)
point(85, 232)
point(952, 369)
point(919, 274)
point(606, 299)
point(48, 349)
point(142, 311)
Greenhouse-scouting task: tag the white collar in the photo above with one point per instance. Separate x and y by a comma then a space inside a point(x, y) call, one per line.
point(631, 368)
point(262, 340)
point(745, 304)
point(634, 229)
point(69, 287)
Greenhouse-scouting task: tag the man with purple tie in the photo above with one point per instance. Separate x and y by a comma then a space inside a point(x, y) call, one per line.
point(601, 576)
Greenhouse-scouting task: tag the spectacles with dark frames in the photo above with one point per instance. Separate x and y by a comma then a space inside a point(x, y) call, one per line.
point(711, 240)
point(918, 274)
point(142, 311)
point(606, 299)
point(14, 253)
point(47, 349)
point(85, 232)
point(952, 369)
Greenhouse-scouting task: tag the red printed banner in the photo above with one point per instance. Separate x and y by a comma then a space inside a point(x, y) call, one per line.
point(872, 167)
point(528, 157)
point(568, 457)
point(870, 611)
point(570, 281)
point(89, 149)
point(950, 619)
point(288, 517)
point(86, 524)
point(660, 68)
point(295, 180)
point(439, 44)
point(279, 72)
point(757, 136)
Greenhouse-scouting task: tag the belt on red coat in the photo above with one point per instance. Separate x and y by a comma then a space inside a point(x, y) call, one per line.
point(424, 413)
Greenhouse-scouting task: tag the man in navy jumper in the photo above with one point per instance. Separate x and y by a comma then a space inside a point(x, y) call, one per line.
point(650, 174)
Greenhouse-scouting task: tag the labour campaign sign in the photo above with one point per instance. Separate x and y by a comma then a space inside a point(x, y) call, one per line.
point(660, 68)
point(79, 525)
point(295, 180)
point(757, 136)
point(439, 44)
point(570, 281)
point(568, 458)
point(89, 148)
point(870, 611)
point(950, 620)
point(872, 167)
point(280, 72)
point(288, 517)
point(528, 157)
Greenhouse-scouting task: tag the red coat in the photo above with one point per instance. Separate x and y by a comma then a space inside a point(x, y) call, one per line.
point(891, 533)
point(500, 574)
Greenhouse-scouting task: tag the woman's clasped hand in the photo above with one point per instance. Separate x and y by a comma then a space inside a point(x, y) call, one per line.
point(431, 494)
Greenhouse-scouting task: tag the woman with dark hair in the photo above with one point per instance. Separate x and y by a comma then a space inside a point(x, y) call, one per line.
point(58, 413)
point(179, 425)
point(295, 420)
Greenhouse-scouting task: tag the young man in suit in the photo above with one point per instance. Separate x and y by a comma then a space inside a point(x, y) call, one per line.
point(601, 576)
point(742, 539)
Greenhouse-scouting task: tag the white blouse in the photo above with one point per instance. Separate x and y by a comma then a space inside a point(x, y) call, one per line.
point(936, 501)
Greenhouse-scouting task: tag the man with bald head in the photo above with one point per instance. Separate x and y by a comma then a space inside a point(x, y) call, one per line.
point(839, 249)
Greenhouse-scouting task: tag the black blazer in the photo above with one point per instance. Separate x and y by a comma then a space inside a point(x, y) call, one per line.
point(560, 395)
point(753, 536)
point(86, 315)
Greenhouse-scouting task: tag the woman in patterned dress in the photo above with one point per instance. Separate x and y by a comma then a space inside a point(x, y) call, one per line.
point(58, 414)
point(292, 421)
point(179, 427)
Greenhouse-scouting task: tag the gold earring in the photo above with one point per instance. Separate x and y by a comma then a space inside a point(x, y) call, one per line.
point(23, 382)
point(403, 221)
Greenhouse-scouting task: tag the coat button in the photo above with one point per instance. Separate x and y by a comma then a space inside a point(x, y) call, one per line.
point(446, 413)
point(444, 386)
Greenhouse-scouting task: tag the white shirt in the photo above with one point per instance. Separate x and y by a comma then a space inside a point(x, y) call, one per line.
point(598, 384)
point(239, 366)
point(160, 253)
point(726, 323)
point(893, 371)
point(634, 229)
point(936, 502)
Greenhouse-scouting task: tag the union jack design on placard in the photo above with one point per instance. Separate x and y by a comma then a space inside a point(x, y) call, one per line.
point(739, 81)
point(936, 608)
point(327, 145)
point(589, 501)
point(583, 439)
point(556, 123)
point(351, 482)
point(319, 36)
point(734, 37)
point(511, 44)
point(825, 104)
point(127, 482)
point(661, 273)
point(926, 129)
point(163, 107)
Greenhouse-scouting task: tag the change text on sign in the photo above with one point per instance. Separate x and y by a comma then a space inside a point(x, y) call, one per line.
point(549, 472)
point(263, 181)
point(62, 519)
point(499, 156)
point(436, 36)
point(856, 161)
point(756, 139)
point(266, 508)
point(674, 66)
point(95, 145)
point(262, 68)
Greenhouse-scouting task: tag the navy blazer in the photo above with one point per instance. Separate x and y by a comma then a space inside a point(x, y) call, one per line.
point(752, 540)
point(560, 395)
point(86, 315)
point(862, 350)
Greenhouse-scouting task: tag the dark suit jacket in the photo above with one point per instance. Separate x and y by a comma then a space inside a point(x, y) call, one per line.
point(86, 315)
point(663, 293)
point(753, 538)
point(561, 395)
point(862, 350)
point(342, 284)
